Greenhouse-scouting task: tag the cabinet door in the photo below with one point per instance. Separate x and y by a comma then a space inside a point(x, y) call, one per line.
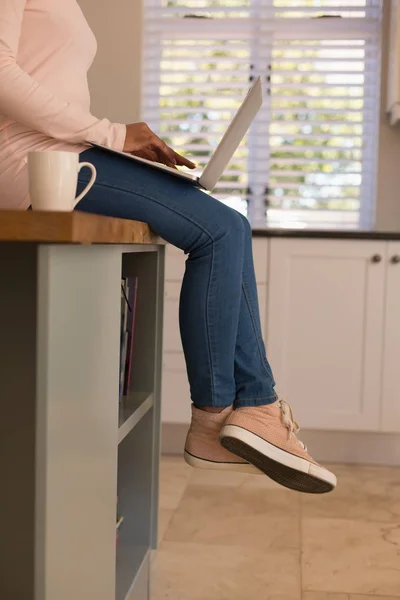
point(172, 337)
point(260, 255)
point(391, 348)
point(325, 326)
point(176, 403)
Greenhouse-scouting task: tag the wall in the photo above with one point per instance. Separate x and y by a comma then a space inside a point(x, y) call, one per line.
point(116, 74)
point(115, 84)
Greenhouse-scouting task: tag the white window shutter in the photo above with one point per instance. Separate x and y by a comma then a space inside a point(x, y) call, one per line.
point(310, 157)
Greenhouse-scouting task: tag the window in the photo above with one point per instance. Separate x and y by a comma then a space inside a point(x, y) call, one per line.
point(309, 159)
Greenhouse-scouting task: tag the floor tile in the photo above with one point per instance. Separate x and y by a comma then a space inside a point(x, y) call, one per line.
point(262, 483)
point(229, 478)
point(174, 476)
point(324, 596)
point(164, 519)
point(329, 596)
point(352, 557)
point(363, 493)
point(203, 572)
point(228, 515)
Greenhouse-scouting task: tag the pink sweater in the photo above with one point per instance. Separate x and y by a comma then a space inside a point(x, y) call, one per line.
point(46, 49)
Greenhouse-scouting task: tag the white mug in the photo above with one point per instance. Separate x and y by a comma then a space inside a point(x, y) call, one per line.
point(53, 178)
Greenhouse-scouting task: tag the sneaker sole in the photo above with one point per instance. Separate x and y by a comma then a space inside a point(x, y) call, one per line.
point(201, 463)
point(286, 469)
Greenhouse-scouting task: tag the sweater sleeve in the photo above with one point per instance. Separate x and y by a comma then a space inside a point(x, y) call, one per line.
point(26, 101)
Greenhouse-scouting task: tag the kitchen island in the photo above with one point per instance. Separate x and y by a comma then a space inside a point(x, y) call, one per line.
point(68, 446)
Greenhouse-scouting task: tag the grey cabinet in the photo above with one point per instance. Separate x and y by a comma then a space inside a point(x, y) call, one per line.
point(67, 448)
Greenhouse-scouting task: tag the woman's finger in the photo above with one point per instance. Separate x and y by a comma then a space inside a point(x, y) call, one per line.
point(164, 153)
point(181, 161)
point(147, 154)
point(170, 153)
point(168, 156)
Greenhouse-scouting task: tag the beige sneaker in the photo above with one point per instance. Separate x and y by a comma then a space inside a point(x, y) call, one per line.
point(266, 437)
point(203, 447)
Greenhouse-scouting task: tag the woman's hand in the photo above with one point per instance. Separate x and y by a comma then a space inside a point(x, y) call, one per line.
point(141, 141)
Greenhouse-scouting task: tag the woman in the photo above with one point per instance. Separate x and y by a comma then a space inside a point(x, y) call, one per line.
point(238, 423)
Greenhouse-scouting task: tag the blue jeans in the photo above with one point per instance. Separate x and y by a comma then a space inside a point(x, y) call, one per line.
point(219, 315)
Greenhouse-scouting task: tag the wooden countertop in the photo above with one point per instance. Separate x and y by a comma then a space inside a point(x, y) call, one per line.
point(71, 228)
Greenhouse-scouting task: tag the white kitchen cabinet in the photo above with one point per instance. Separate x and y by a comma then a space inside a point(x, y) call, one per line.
point(325, 329)
point(172, 337)
point(260, 256)
point(176, 403)
point(391, 348)
point(174, 263)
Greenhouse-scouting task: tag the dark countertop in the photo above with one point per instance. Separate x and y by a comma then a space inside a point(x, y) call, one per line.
point(357, 234)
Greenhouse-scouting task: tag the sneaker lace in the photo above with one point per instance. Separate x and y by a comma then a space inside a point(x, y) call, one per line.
point(289, 421)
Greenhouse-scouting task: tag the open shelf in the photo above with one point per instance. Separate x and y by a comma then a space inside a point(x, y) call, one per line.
point(135, 485)
point(131, 410)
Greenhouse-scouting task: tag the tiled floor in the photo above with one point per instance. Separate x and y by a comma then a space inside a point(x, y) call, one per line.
point(242, 537)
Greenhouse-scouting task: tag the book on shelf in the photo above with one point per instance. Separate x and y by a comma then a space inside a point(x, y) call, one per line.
point(120, 520)
point(123, 338)
point(131, 320)
point(124, 353)
point(129, 287)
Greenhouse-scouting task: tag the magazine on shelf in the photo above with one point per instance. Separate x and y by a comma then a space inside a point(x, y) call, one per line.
point(120, 520)
point(129, 287)
point(132, 303)
point(123, 336)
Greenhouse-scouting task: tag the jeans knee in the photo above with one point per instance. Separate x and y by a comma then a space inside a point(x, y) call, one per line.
point(231, 224)
point(246, 224)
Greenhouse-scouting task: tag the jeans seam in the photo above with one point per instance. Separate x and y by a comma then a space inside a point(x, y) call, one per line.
point(208, 327)
point(263, 359)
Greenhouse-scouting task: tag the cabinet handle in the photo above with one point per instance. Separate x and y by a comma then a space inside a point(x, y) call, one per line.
point(376, 258)
point(395, 259)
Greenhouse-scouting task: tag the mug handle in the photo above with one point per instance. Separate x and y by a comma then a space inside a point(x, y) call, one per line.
point(91, 182)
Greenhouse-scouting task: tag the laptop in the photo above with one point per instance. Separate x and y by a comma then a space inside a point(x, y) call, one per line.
point(225, 150)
